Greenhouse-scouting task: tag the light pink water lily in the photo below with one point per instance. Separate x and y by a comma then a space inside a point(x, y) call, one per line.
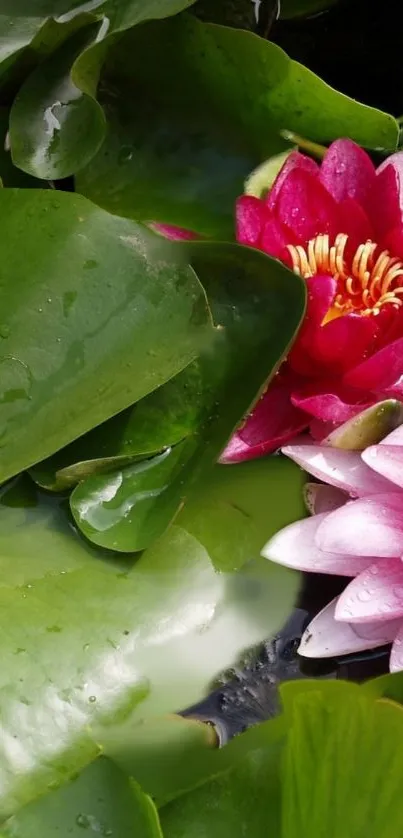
point(356, 530)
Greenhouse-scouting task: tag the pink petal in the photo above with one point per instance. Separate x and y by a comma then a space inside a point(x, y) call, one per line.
point(320, 430)
point(327, 638)
point(347, 171)
point(355, 222)
point(174, 233)
point(294, 161)
point(343, 469)
point(386, 460)
point(306, 207)
point(386, 200)
point(344, 342)
point(368, 527)
point(393, 241)
point(328, 401)
point(320, 296)
point(394, 438)
point(274, 240)
point(390, 321)
point(250, 215)
point(321, 498)
point(380, 371)
point(396, 655)
point(376, 594)
point(273, 421)
point(294, 546)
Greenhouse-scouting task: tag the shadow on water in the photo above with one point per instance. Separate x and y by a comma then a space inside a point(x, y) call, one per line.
point(249, 694)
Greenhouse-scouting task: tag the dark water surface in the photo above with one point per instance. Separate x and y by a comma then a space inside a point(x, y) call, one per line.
point(249, 693)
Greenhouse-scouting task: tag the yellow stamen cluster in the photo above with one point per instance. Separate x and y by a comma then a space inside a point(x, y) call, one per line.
point(365, 282)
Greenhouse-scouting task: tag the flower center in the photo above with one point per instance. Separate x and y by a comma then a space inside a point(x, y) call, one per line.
point(365, 282)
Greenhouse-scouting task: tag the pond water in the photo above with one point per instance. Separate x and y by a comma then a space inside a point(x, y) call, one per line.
point(249, 693)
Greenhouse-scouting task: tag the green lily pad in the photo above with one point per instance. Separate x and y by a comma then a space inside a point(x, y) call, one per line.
point(185, 132)
point(56, 124)
point(95, 312)
point(329, 764)
point(101, 800)
point(22, 20)
point(322, 778)
point(258, 304)
point(163, 418)
point(87, 641)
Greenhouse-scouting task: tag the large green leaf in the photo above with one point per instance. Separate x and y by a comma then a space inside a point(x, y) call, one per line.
point(50, 120)
point(95, 312)
point(386, 686)
point(242, 801)
point(257, 305)
point(161, 419)
point(9, 174)
point(169, 756)
point(22, 20)
point(56, 124)
point(337, 772)
point(101, 800)
point(251, 296)
point(86, 640)
point(166, 754)
point(342, 771)
point(184, 131)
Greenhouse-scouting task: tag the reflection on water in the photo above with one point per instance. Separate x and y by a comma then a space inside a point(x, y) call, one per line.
point(249, 694)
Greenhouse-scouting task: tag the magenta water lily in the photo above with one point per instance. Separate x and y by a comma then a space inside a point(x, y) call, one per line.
point(340, 226)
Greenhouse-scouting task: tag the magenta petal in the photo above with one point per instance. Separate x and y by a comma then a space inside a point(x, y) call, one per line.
point(325, 637)
point(380, 371)
point(294, 161)
point(250, 217)
point(375, 594)
point(306, 207)
point(384, 205)
point(355, 222)
point(321, 498)
point(393, 241)
point(347, 171)
point(327, 406)
point(274, 240)
point(343, 469)
point(396, 655)
point(345, 341)
point(386, 460)
point(320, 296)
point(368, 527)
point(294, 546)
point(273, 421)
point(169, 231)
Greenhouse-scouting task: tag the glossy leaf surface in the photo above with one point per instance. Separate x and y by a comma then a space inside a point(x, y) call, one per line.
point(163, 418)
point(101, 800)
point(257, 306)
point(56, 123)
point(184, 132)
point(95, 312)
point(86, 640)
point(321, 779)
